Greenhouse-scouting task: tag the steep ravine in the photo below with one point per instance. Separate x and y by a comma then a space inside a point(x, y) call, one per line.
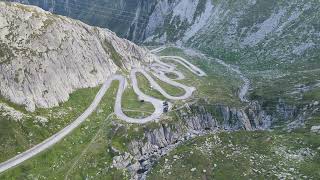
point(201, 119)
point(194, 120)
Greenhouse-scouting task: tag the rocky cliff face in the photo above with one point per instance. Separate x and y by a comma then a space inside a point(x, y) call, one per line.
point(45, 57)
point(257, 30)
point(275, 44)
point(203, 23)
point(270, 36)
point(200, 119)
point(237, 24)
point(165, 20)
point(127, 18)
point(194, 120)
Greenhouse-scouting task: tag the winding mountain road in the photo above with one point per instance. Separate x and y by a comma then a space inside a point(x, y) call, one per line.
point(186, 64)
point(158, 104)
point(158, 69)
point(159, 49)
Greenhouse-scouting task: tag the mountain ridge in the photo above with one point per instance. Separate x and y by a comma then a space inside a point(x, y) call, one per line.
point(46, 57)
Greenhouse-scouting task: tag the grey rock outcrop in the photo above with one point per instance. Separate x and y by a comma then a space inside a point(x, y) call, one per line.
point(6, 110)
point(194, 120)
point(258, 117)
point(199, 119)
point(122, 16)
point(45, 57)
point(315, 129)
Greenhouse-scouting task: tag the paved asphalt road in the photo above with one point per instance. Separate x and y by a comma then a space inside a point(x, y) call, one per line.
point(159, 70)
point(61, 134)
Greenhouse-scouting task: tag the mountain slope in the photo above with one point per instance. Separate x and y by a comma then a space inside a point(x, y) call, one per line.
point(126, 18)
point(265, 29)
point(274, 43)
point(45, 57)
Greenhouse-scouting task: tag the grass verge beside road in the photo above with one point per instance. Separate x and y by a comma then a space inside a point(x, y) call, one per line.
point(56, 161)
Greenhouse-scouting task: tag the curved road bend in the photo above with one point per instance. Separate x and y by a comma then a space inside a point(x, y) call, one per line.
point(158, 68)
point(156, 86)
point(61, 134)
point(158, 104)
point(186, 64)
point(159, 49)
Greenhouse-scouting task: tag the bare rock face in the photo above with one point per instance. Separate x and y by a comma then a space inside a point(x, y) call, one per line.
point(6, 110)
point(44, 57)
point(315, 129)
point(194, 120)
